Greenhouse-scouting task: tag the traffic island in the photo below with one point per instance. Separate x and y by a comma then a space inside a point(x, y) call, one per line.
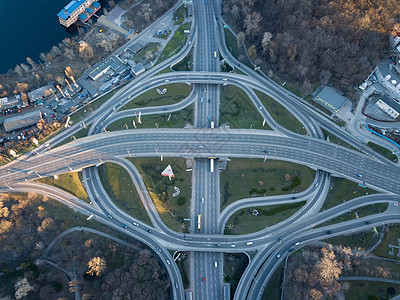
point(172, 206)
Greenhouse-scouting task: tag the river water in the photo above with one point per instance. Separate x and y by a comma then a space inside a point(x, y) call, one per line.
point(28, 27)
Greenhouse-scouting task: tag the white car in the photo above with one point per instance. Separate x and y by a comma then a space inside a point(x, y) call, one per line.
point(260, 107)
point(168, 262)
point(278, 256)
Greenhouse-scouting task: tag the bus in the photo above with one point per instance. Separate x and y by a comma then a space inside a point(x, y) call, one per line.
point(199, 222)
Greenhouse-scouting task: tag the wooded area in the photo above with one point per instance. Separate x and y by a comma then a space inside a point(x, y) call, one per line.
point(315, 41)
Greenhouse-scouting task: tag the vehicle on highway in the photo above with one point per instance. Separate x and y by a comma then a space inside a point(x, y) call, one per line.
point(216, 264)
point(298, 243)
point(158, 249)
point(209, 100)
point(176, 285)
point(316, 185)
point(232, 246)
point(200, 146)
point(166, 80)
point(201, 100)
point(149, 231)
point(199, 222)
point(249, 243)
point(260, 107)
point(290, 249)
point(168, 262)
point(202, 200)
point(218, 245)
point(358, 175)
point(110, 216)
point(225, 79)
point(136, 224)
point(123, 225)
point(215, 53)
point(203, 279)
point(164, 109)
point(329, 231)
point(278, 256)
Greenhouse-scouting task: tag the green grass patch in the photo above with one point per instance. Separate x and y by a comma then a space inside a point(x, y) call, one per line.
point(245, 222)
point(364, 240)
point(179, 15)
point(273, 289)
point(81, 133)
point(186, 64)
point(342, 190)
point(171, 209)
point(244, 178)
point(390, 238)
point(361, 211)
point(231, 43)
point(184, 269)
point(234, 266)
point(176, 43)
point(280, 114)
point(334, 139)
point(382, 151)
point(369, 290)
point(177, 120)
point(175, 93)
point(69, 182)
point(238, 111)
point(119, 187)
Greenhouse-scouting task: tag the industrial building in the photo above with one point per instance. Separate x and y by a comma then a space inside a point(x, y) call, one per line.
point(389, 106)
point(112, 63)
point(41, 93)
point(22, 121)
point(331, 98)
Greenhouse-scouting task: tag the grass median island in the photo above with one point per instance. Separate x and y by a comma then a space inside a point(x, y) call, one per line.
point(280, 114)
point(119, 187)
point(69, 182)
point(176, 43)
point(238, 111)
point(361, 211)
point(342, 190)
point(175, 92)
point(244, 178)
point(364, 239)
point(382, 151)
point(234, 267)
point(81, 133)
point(171, 209)
point(185, 64)
point(244, 221)
point(177, 120)
point(273, 289)
point(334, 139)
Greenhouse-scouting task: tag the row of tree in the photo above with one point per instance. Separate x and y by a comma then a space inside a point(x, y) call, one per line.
point(316, 41)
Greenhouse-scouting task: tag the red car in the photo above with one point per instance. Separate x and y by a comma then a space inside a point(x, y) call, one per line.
point(203, 279)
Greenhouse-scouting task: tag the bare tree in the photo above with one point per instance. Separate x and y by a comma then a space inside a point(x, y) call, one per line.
point(240, 38)
point(146, 11)
point(252, 23)
point(31, 62)
point(266, 40)
point(69, 53)
point(96, 266)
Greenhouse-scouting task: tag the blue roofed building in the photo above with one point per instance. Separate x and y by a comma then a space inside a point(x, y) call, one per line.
point(330, 98)
point(78, 9)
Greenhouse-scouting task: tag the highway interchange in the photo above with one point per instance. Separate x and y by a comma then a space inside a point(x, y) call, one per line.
point(208, 245)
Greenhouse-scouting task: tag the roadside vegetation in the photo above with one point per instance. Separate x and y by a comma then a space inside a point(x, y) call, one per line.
point(120, 188)
point(178, 119)
point(176, 43)
point(244, 178)
point(175, 92)
point(273, 289)
point(253, 219)
point(362, 240)
point(69, 182)
point(234, 266)
point(29, 222)
point(185, 64)
point(334, 139)
point(237, 110)
point(81, 133)
point(382, 151)
point(172, 208)
point(183, 263)
point(361, 212)
point(280, 114)
point(342, 190)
